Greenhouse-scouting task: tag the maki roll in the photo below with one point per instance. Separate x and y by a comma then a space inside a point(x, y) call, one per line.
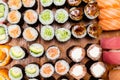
point(46, 3)
point(79, 30)
point(47, 32)
point(94, 52)
point(28, 3)
point(33, 79)
point(17, 53)
point(4, 74)
point(30, 34)
point(78, 71)
point(36, 50)
point(63, 78)
point(59, 2)
point(63, 34)
point(77, 54)
point(92, 10)
point(88, 1)
point(46, 17)
point(14, 17)
point(74, 2)
point(94, 30)
point(30, 16)
point(97, 69)
point(62, 67)
point(4, 38)
point(47, 70)
point(76, 14)
point(15, 4)
point(53, 53)
point(61, 16)
point(32, 70)
point(15, 73)
point(14, 31)
point(3, 11)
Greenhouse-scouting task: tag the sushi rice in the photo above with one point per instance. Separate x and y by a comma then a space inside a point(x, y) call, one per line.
point(4, 38)
point(36, 50)
point(32, 70)
point(46, 17)
point(46, 3)
point(63, 34)
point(15, 73)
point(17, 53)
point(33, 79)
point(28, 3)
point(59, 2)
point(14, 31)
point(61, 16)
point(3, 11)
point(47, 32)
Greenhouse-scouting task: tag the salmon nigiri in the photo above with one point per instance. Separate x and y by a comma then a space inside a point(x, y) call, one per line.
point(110, 24)
point(109, 13)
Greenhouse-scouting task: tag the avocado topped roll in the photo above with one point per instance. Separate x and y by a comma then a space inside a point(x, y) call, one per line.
point(63, 34)
point(15, 73)
point(32, 70)
point(47, 32)
point(46, 17)
point(17, 53)
point(59, 2)
point(3, 11)
point(61, 16)
point(36, 50)
point(4, 38)
point(46, 3)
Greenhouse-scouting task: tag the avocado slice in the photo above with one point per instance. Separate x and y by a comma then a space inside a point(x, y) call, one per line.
point(15, 74)
point(35, 50)
point(2, 30)
point(2, 37)
point(2, 10)
point(31, 70)
point(16, 55)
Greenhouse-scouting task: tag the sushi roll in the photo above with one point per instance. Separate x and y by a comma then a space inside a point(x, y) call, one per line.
point(14, 4)
point(4, 74)
point(76, 14)
point(94, 30)
point(17, 53)
point(46, 17)
point(63, 78)
point(98, 69)
point(63, 34)
point(62, 67)
point(74, 2)
point(53, 53)
point(91, 10)
point(32, 70)
point(14, 17)
point(47, 70)
point(78, 71)
point(88, 1)
point(77, 54)
point(94, 52)
point(33, 79)
point(15, 73)
point(4, 38)
point(59, 2)
point(47, 32)
point(36, 50)
point(79, 30)
point(46, 3)
point(30, 34)
point(30, 16)
point(3, 11)
point(61, 16)
point(28, 3)
point(14, 31)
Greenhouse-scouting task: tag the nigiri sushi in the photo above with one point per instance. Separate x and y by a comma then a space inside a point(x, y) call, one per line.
point(28, 3)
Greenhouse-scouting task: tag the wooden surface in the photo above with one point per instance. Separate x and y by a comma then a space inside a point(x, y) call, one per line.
point(63, 46)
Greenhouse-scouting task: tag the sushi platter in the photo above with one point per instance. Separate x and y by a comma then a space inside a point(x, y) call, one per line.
point(59, 40)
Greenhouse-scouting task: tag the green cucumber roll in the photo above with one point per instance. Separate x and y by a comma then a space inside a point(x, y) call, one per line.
point(17, 53)
point(63, 34)
point(4, 38)
point(61, 16)
point(46, 3)
point(46, 17)
point(3, 11)
point(59, 2)
point(47, 32)
point(15, 73)
point(32, 70)
point(36, 50)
